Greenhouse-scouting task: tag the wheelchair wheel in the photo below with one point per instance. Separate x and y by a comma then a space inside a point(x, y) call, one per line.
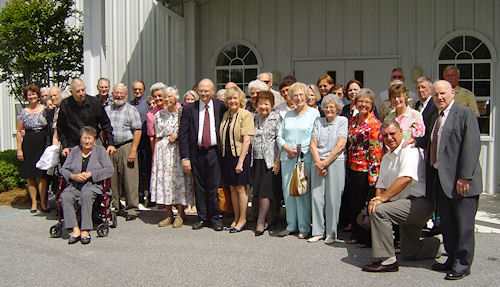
point(56, 230)
point(114, 220)
point(102, 230)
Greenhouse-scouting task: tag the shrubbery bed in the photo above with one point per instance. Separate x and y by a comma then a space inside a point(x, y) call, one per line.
point(9, 171)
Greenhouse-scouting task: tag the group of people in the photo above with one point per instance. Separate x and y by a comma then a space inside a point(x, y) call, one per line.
point(361, 158)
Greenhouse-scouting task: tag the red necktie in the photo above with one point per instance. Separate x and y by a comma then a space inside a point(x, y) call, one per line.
point(206, 141)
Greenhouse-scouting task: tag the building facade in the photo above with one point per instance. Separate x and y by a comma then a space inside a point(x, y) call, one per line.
point(233, 40)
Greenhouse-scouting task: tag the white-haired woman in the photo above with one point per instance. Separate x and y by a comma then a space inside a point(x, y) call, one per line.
point(170, 186)
point(295, 130)
point(157, 91)
point(328, 140)
point(254, 87)
point(190, 97)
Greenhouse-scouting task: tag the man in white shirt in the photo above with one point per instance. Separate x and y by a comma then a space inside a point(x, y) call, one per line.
point(400, 199)
point(267, 78)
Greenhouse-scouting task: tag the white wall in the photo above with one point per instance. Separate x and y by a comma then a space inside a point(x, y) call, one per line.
point(136, 40)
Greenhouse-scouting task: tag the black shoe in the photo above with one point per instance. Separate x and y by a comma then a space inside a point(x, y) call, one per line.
point(441, 267)
point(217, 226)
point(73, 240)
point(259, 233)
point(85, 240)
point(229, 228)
point(236, 230)
point(199, 225)
point(455, 275)
point(378, 267)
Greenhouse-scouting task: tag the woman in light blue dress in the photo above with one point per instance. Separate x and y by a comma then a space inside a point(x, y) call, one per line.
point(296, 129)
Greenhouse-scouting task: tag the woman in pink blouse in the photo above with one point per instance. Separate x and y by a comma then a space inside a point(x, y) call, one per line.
point(410, 120)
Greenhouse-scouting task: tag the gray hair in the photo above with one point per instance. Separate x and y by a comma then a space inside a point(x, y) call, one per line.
point(451, 67)
point(158, 86)
point(88, 130)
point(424, 79)
point(220, 94)
point(266, 73)
point(389, 122)
point(120, 85)
point(257, 84)
point(295, 86)
point(366, 93)
point(331, 98)
point(191, 92)
point(172, 90)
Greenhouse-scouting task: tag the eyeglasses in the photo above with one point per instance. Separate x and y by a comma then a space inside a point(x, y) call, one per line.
point(267, 82)
point(137, 89)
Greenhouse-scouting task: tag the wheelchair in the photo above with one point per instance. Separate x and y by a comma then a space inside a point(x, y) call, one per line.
point(103, 215)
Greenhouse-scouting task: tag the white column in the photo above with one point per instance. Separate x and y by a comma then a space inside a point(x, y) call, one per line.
point(190, 42)
point(94, 56)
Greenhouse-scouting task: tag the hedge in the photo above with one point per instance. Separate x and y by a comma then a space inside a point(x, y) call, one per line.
point(9, 171)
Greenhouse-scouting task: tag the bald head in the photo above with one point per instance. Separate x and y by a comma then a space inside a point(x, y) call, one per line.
point(230, 85)
point(78, 90)
point(206, 90)
point(55, 95)
point(442, 94)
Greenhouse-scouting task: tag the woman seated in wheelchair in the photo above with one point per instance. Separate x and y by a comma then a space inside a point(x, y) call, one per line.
point(85, 168)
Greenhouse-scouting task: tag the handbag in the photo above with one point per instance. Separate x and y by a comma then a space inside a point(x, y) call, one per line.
point(49, 158)
point(363, 219)
point(298, 183)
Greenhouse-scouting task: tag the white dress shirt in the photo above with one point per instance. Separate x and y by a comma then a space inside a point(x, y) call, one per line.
point(424, 105)
point(201, 121)
point(443, 120)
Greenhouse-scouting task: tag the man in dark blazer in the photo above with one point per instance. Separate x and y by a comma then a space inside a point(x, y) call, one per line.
point(199, 149)
point(454, 177)
point(425, 105)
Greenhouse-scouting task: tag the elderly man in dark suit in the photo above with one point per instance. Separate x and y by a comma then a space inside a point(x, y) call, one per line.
point(199, 149)
point(425, 105)
point(454, 175)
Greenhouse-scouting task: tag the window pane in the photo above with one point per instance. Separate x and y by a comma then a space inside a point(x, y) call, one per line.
point(482, 52)
point(466, 84)
point(446, 53)
point(457, 43)
point(250, 59)
point(222, 76)
point(484, 118)
point(465, 71)
point(359, 75)
point(464, 55)
point(237, 62)
point(222, 60)
point(471, 43)
point(236, 75)
point(221, 86)
point(250, 75)
point(230, 51)
point(242, 51)
point(482, 71)
point(482, 89)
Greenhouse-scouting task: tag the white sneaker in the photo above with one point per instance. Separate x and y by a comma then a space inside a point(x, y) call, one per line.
point(329, 240)
point(315, 238)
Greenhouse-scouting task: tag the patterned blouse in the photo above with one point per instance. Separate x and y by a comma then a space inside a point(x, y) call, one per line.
point(365, 145)
point(35, 121)
point(264, 144)
point(411, 122)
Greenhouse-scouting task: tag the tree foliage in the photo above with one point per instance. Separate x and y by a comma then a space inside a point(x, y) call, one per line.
point(38, 44)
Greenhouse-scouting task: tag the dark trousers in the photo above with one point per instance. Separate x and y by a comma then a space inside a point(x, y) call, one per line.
point(206, 176)
point(457, 225)
point(358, 193)
point(144, 157)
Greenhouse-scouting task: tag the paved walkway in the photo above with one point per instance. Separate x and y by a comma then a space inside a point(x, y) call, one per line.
point(138, 253)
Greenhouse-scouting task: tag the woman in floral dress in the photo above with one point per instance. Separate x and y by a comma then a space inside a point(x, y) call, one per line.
point(170, 186)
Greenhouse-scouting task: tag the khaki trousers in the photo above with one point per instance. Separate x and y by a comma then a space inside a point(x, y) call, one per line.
point(124, 182)
point(410, 214)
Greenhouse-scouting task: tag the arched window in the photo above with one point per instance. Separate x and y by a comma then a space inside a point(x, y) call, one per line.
point(237, 62)
point(473, 58)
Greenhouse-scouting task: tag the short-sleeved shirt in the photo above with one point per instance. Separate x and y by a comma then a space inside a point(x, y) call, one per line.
point(124, 120)
point(466, 98)
point(403, 162)
point(328, 134)
point(35, 121)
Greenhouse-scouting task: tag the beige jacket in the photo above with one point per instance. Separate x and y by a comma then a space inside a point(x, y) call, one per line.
point(239, 125)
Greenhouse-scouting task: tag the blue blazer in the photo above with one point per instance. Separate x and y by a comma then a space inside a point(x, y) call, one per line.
point(189, 126)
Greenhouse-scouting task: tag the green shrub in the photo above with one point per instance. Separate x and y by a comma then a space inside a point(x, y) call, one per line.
point(9, 171)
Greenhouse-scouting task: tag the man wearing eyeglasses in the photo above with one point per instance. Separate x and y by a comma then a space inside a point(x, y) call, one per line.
point(268, 79)
point(397, 74)
point(144, 154)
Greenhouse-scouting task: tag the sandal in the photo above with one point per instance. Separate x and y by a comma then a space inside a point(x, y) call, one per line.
point(351, 241)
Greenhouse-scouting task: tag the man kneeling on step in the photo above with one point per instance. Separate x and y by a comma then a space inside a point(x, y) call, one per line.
point(400, 199)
